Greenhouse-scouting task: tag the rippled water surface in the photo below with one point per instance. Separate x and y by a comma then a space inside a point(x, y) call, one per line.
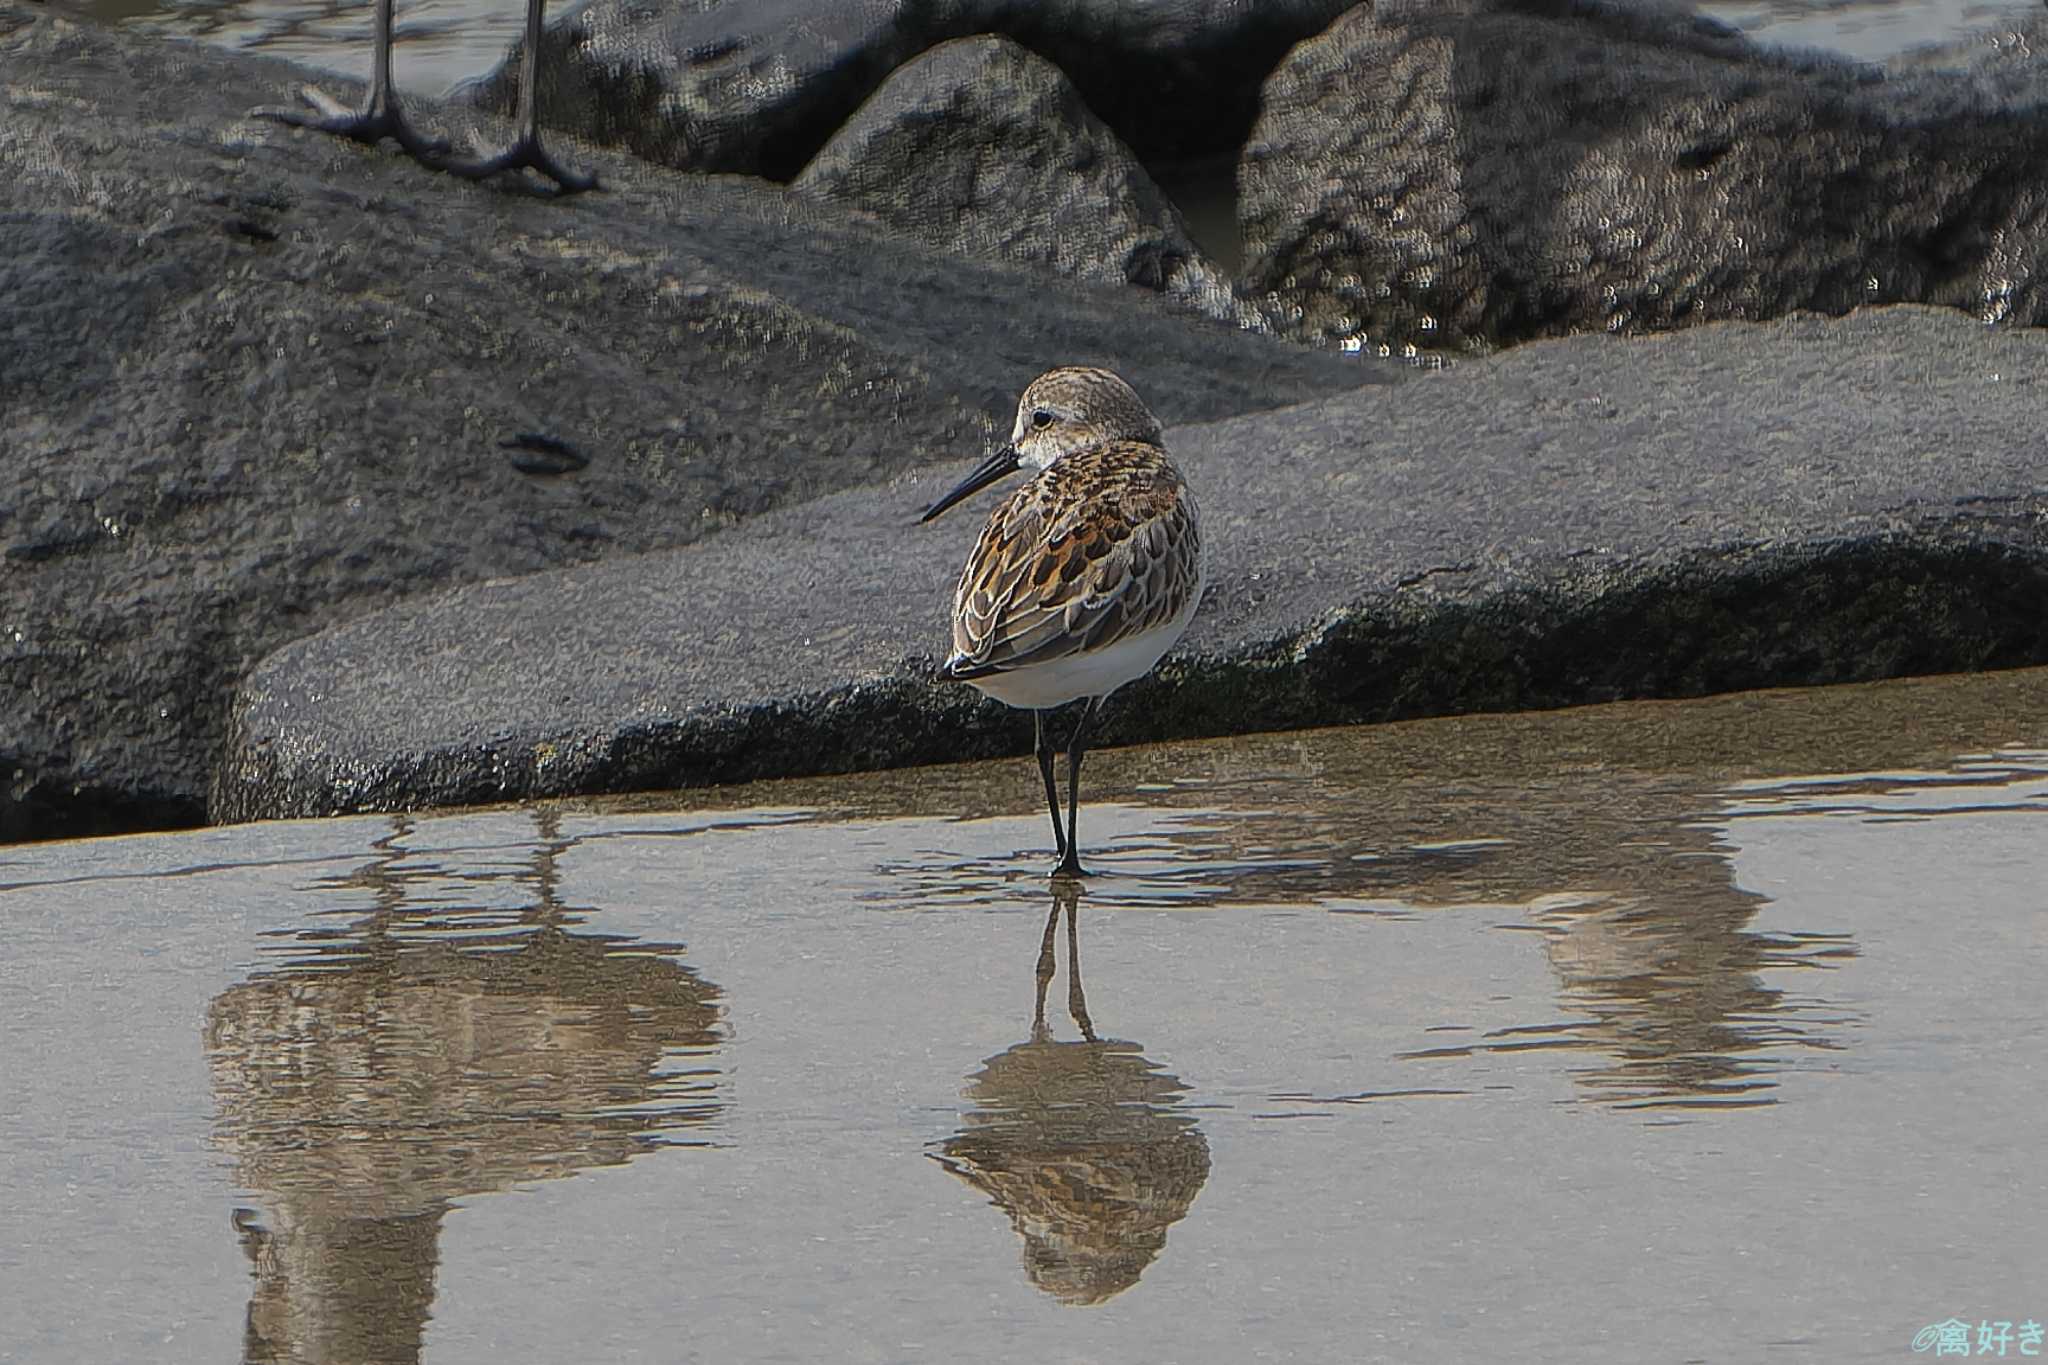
point(1694, 1031)
point(445, 42)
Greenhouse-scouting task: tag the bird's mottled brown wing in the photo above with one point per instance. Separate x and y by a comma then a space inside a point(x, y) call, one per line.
point(1101, 546)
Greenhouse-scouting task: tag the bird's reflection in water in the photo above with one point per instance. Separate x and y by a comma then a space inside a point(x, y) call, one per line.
point(456, 1039)
point(1083, 1144)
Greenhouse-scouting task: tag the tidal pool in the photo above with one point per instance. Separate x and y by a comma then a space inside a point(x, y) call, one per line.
point(445, 43)
point(1677, 1031)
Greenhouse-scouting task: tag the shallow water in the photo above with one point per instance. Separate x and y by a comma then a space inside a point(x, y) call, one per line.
point(1683, 1031)
point(443, 43)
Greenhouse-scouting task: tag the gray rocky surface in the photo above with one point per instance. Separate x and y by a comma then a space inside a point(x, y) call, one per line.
point(1466, 175)
point(1737, 505)
point(757, 86)
point(983, 148)
point(254, 381)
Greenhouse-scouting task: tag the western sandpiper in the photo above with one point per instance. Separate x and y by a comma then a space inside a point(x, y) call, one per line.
point(1086, 575)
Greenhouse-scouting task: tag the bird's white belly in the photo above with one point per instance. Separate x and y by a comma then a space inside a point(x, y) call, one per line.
point(1093, 674)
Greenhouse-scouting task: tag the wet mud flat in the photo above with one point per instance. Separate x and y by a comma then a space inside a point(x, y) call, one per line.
point(1698, 1030)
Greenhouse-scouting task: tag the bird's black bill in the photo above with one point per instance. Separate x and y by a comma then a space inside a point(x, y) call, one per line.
point(1003, 462)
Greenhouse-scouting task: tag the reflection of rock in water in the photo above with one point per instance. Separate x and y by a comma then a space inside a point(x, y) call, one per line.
point(1082, 1145)
point(370, 1083)
point(1676, 1002)
point(1659, 975)
point(331, 1287)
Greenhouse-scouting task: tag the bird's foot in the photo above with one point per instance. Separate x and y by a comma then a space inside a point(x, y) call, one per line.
point(370, 125)
point(1069, 868)
point(525, 154)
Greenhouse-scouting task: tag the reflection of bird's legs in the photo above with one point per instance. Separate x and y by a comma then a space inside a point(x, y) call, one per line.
point(1046, 966)
point(380, 116)
point(1077, 1004)
point(1052, 795)
point(1070, 858)
point(526, 151)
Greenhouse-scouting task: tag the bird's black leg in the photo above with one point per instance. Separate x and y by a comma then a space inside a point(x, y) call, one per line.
point(379, 118)
point(526, 151)
point(1070, 859)
point(1052, 796)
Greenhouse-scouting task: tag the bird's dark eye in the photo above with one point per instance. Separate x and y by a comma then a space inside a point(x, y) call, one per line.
point(1041, 419)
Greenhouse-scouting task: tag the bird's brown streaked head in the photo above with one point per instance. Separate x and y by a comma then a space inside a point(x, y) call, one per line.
point(1075, 407)
point(1078, 407)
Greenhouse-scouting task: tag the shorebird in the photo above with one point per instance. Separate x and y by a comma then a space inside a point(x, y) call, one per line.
point(380, 117)
point(1085, 576)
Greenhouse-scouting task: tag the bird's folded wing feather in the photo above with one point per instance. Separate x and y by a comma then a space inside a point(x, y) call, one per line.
point(1053, 577)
